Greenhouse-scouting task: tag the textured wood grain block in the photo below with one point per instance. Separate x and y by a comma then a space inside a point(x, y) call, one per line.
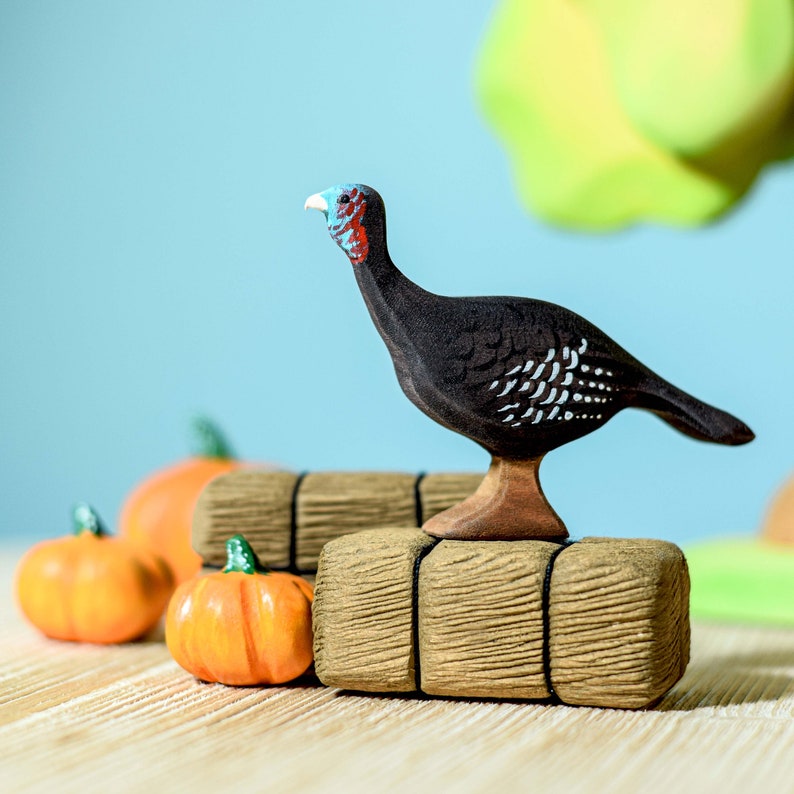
point(619, 619)
point(468, 620)
point(481, 619)
point(331, 505)
point(365, 581)
point(264, 506)
point(257, 504)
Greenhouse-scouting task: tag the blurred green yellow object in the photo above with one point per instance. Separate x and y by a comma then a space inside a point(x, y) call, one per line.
point(616, 112)
point(747, 580)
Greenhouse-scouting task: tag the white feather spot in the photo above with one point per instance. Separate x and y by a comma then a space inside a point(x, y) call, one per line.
point(538, 417)
point(568, 415)
point(554, 411)
point(555, 370)
point(568, 379)
point(516, 424)
point(574, 360)
point(508, 418)
point(527, 414)
point(525, 385)
point(538, 372)
point(583, 346)
point(541, 388)
point(598, 370)
point(585, 368)
point(588, 398)
point(528, 366)
point(508, 388)
point(550, 355)
point(577, 397)
point(563, 397)
point(508, 407)
point(551, 397)
point(566, 351)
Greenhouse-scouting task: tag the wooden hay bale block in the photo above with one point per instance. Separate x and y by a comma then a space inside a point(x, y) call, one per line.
point(397, 611)
point(481, 619)
point(619, 615)
point(334, 504)
point(256, 504)
point(288, 518)
point(367, 582)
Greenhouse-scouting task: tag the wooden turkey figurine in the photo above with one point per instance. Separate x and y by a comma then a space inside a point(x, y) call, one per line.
point(518, 376)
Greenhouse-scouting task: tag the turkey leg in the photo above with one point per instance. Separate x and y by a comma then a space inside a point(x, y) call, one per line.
point(508, 505)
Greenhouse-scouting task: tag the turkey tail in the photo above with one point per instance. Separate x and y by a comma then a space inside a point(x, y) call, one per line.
point(695, 418)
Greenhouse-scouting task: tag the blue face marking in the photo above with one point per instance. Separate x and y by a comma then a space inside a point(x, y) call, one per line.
point(345, 219)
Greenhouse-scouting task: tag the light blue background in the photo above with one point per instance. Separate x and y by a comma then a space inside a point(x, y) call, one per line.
point(156, 262)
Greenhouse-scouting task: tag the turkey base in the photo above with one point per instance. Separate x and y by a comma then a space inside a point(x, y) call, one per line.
point(508, 505)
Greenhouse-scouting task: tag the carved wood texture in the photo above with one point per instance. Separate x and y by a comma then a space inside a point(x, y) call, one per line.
point(258, 504)
point(618, 612)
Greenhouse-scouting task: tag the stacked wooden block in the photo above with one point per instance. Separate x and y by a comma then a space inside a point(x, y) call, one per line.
point(469, 619)
point(287, 517)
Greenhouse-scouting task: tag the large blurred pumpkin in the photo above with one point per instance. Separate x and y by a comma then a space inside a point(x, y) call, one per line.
point(159, 511)
point(778, 526)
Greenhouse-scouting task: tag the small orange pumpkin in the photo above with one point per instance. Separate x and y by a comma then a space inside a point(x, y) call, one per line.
point(160, 510)
point(244, 625)
point(91, 587)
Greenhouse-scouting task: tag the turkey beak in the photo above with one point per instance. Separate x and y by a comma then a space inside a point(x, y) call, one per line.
point(316, 202)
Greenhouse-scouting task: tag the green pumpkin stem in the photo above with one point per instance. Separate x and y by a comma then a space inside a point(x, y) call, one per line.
point(86, 519)
point(240, 557)
point(209, 440)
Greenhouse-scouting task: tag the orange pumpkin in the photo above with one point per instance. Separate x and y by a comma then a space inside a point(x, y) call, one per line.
point(244, 625)
point(91, 587)
point(160, 510)
point(778, 526)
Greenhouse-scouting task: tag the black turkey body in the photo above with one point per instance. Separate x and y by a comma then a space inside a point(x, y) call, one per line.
point(518, 376)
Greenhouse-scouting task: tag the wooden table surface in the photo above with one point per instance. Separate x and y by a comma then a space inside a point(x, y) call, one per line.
point(127, 718)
